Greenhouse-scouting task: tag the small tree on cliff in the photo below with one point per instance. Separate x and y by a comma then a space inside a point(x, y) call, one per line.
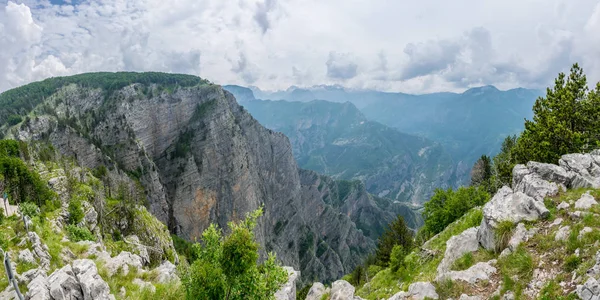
point(226, 267)
point(396, 234)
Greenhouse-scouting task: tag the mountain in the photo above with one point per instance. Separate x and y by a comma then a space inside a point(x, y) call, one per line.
point(336, 139)
point(467, 125)
point(200, 158)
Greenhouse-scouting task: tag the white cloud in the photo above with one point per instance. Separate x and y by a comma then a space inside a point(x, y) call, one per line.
point(406, 46)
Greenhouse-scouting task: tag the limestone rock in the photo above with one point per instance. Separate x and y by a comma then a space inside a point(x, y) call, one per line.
point(590, 290)
point(28, 276)
point(167, 272)
point(38, 288)
point(288, 290)
point(122, 262)
point(26, 256)
point(9, 293)
point(585, 202)
point(421, 290)
point(40, 250)
point(64, 285)
point(563, 233)
point(595, 270)
point(552, 173)
point(341, 290)
point(585, 167)
point(317, 290)
point(400, 296)
point(532, 184)
point(478, 272)
point(457, 246)
point(507, 205)
point(90, 216)
point(520, 235)
point(563, 205)
point(140, 249)
point(92, 285)
point(467, 297)
point(556, 222)
point(144, 285)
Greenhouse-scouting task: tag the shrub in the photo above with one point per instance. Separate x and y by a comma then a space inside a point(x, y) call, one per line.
point(572, 262)
point(446, 206)
point(397, 257)
point(14, 120)
point(75, 211)
point(29, 209)
point(77, 233)
point(226, 267)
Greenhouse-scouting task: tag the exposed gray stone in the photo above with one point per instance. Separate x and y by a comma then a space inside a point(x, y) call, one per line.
point(167, 272)
point(556, 222)
point(341, 290)
point(520, 235)
point(144, 285)
point(122, 262)
point(92, 285)
point(532, 184)
point(140, 249)
point(288, 290)
point(584, 167)
point(64, 285)
point(552, 173)
point(38, 288)
point(467, 297)
point(507, 205)
point(40, 250)
point(457, 246)
point(478, 272)
point(563, 233)
point(585, 202)
point(563, 206)
point(421, 290)
point(26, 256)
point(589, 290)
point(583, 232)
point(317, 290)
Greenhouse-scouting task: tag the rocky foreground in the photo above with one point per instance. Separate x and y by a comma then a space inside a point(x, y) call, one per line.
point(539, 239)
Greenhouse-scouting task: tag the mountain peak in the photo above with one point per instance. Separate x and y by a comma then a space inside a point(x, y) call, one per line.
point(481, 90)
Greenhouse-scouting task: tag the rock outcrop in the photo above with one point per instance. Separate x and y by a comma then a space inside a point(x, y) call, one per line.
point(288, 290)
point(201, 159)
point(510, 206)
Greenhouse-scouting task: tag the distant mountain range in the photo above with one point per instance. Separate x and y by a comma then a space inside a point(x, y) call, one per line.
point(467, 124)
point(338, 140)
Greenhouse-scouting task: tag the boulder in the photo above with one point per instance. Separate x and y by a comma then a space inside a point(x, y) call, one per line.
point(90, 216)
point(122, 262)
point(563, 233)
point(40, 250)
point(422, 290)
point(563, 205)
point(585, 202)
point(64, 285)
point(288, 290)
point(507, 205)
point(92, 285)
point(552, 173)
point(316, 292)
point(140, 249)
point(595, 270)
point(166, 272)
point(520, 235)
point(585, 169)
point(400, 296)
point(26, 256)
point(341, 290)
point(457, 246)
point(532, 184)
point(589, 290)
point(556, 222)
point(467, 297)
point(8, 293)
point(28, 276)
point(478, 272)
point(38, 288)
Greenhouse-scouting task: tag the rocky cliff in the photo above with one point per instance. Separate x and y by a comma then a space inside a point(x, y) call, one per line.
point(201, 159)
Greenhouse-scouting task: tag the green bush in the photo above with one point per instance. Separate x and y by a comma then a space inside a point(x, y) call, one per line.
point(29, 209)
point(397, 257)
point(77, 233)
point(226, 267)
point(75, 211)
point(447, 206)
point(14, 120)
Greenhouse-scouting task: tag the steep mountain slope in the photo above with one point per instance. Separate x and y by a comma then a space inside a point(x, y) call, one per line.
point(199, 157)
point(337, 140)
point(467, 125)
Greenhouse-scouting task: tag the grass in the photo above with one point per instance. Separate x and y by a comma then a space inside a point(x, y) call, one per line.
point(504, 232)
point(519, 263)
point(471, 258)
point(449, 289)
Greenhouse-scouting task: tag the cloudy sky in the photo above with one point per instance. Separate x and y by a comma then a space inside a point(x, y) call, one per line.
point(393, 45)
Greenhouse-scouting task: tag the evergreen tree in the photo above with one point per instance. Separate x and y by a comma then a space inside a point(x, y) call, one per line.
point(396, 234)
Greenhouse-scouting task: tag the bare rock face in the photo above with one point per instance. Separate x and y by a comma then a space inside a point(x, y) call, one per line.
point(585, 202)
point(479, 272)
point(92, 285)
point(457, 246)
point(341, 290)
point(288, 290)
point(510, 206)
point(316, 292)
point(64, 285)
point(202, 159)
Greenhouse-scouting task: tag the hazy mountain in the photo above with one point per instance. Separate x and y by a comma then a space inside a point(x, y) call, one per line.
point(467, 124)
point(336, 139)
